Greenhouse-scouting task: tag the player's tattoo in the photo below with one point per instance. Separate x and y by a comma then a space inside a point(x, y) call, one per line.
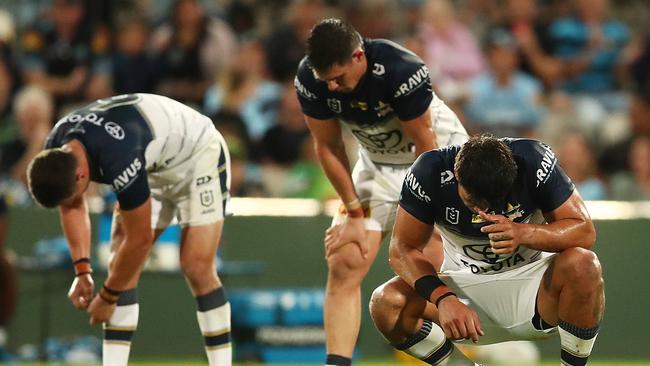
point(548, 275)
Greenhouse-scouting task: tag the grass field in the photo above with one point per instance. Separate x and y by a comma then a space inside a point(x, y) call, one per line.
point(379, 363)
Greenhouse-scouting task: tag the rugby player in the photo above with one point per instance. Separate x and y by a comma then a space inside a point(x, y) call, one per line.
point(382, 93)
point(517, 261)
point(163, 160)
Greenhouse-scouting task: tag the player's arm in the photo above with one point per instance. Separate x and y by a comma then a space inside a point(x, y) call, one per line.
point(133, 251)
point(330, 150)
point(420, 130)
point(76, 227)
point(410, 236)
point(568, 226)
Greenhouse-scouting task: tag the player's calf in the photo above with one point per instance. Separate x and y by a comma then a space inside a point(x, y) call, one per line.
point(575, 278)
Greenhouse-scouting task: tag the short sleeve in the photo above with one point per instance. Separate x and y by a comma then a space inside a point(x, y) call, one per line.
point(412, 91)
point(418, 192)
point(129, 182)
point(311, 104)
point(551, 186)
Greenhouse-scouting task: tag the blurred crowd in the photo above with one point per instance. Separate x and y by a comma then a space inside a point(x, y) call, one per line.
point(572, 73)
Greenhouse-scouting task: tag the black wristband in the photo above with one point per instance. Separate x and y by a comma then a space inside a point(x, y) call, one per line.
point(82, 260)
point(446, 294)
point(425, 285)
point(107, 300)
point(112, 292)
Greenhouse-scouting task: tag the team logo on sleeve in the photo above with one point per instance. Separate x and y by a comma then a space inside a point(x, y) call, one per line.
point(415, 187)
point(334, 104)
point(115, 130)
point(421, 77)
point(547, 165)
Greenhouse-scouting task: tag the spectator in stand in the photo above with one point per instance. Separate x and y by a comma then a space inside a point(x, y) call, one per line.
point(283, 143)
point(450, 50)
point(8, 75)
point(590, 48)
point(243, 92)
point(34, 111)
point(134, 69)
point(57, 53)
point(578, 161)
point(285, 46)
point(503, 100)
point(194, 49)
point(529, 26)
point(634, 185)
point(615, 158)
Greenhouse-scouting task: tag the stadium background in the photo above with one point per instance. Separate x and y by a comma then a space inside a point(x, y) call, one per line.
point(587, 93)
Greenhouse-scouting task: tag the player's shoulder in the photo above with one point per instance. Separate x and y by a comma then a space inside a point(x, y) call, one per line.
point(402, 70)
point(305, 82)
point(528, 149)
point(436, 162)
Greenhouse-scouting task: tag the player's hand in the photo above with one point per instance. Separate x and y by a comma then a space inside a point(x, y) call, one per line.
point(352, 230)
point(81, 291)
point(505, 235)
point(100, 311)
point(459, 321)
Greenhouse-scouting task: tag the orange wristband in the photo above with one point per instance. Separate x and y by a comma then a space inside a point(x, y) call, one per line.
point(82, 267)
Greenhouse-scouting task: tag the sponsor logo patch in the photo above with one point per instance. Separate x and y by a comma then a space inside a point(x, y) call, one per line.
point(127, 176)
point(115, 130)
point(421, 77)
point(415, 187)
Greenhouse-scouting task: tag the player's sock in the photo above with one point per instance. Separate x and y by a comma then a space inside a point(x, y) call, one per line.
point(576, 343)
point(336, 360)
point(430, 345)
point(214, 320)
point(119, 330)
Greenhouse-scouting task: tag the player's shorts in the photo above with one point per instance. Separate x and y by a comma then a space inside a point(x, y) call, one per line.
point(378, 186)
point(200, 198)
point(505, 302)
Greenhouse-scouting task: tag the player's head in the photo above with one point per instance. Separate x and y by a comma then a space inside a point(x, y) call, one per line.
point(335, 51)
point(52, 177)
point(485, 170)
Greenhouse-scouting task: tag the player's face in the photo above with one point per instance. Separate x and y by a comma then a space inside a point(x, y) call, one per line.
point(343, 78)
point(468, 201)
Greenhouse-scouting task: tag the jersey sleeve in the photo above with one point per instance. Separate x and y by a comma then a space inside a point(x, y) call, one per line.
point(418, 189)
point(311, 104)
point(551, 186)
point(411, 87)
point(129, 182)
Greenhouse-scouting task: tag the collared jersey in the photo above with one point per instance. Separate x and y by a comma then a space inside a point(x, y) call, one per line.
point(396, 87)
point(430, 194)
point(135, 141)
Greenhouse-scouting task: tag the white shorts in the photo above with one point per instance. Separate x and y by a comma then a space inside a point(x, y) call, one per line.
point(200, 198)
point(505, 302)
point(378, 186)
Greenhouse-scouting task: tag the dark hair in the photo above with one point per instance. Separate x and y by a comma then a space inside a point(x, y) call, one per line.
point(486, 169)
point(331, 41)
point(51, 176)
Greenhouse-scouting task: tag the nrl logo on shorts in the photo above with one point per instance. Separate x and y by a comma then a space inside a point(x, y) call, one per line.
point(207, 198)
point(334, 104)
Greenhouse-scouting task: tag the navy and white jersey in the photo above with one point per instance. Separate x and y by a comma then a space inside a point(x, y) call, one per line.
point(135, 142)
point(430, 194)
point(396, 87)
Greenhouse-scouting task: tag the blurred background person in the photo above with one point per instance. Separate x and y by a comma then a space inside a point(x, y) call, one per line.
point(194, 48)
point(634, 185)
point(579, 163)
point(503, 100)
point(8, 75)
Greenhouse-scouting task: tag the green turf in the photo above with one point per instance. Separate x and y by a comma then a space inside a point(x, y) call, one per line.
point(196, 363)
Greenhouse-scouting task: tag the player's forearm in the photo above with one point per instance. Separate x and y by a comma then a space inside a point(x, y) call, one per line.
point(408, 262)
point(76, 227)
point(560, 235)
point(128, 262)
point(337, 168)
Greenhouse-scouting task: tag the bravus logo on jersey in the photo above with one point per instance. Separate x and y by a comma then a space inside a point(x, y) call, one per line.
point(546, 166)
point(127, 175)
point(416, 80)
point(415, 187)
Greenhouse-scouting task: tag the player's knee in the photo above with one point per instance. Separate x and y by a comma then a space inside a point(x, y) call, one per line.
point(386, 303)
point(581, 267)
point(345, 267)
point(197, 269)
